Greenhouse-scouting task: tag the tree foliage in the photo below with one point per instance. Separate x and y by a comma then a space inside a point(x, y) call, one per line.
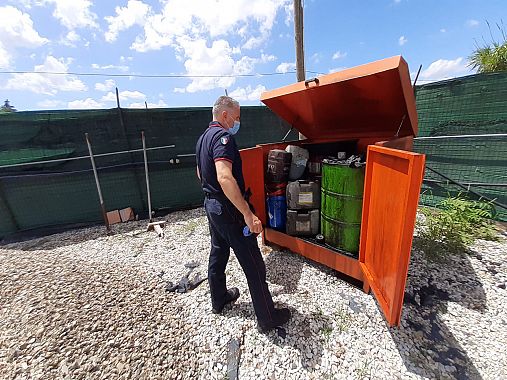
point(7, 107)
point(491, 57)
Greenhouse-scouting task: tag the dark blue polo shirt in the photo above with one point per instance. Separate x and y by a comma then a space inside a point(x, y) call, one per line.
point(215, 144)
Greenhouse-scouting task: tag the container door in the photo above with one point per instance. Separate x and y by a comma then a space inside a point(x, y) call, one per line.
point(253, 172)
point(391, 194)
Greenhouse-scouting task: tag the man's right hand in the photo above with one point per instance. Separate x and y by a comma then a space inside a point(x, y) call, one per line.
point(253, 223)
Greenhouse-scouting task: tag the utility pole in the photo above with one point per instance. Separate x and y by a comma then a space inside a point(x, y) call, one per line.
point(300, 52)
point(298, 34)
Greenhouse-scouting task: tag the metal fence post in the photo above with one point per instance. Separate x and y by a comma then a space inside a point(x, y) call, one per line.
point(147, 176)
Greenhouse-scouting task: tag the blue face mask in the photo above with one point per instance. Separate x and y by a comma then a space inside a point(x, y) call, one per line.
point(235, 128)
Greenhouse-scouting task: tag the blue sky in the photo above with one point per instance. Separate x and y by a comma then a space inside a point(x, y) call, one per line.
point(222, 38)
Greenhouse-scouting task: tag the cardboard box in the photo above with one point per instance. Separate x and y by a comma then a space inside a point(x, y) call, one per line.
point(113, 217)
point(127, 214)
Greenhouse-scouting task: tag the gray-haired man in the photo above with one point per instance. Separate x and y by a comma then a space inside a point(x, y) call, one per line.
point(220, 170)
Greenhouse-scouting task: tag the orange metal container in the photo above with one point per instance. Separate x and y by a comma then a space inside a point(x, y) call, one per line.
point(372, 105)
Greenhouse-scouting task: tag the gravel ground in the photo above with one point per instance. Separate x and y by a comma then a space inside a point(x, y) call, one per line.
point(87, 305)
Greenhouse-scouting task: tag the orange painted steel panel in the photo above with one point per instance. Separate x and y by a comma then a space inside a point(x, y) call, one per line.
point(364, 101)
point(331, 259)
point(253, 172)
point(392, 183)
point(403, 143)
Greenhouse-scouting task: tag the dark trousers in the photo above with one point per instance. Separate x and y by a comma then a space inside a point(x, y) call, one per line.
point(226, 228)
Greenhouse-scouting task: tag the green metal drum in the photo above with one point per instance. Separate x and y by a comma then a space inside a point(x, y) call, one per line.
point(341, 205)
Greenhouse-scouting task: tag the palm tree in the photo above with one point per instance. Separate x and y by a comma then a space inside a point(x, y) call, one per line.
point(490, 58)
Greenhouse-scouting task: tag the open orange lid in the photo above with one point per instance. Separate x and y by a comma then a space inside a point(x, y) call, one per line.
point(375, 99)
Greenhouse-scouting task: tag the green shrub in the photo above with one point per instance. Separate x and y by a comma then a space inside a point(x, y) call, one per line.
point(456, 224)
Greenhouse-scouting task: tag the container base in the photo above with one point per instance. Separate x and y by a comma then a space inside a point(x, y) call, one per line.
point(340, 261)
point(330, 247)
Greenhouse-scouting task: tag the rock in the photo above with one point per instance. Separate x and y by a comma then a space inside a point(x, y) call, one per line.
point(133, 329)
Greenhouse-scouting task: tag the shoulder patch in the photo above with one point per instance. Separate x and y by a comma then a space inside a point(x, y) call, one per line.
point(224, 140)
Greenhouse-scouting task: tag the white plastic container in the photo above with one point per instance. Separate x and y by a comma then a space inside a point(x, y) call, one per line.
point(300, 157)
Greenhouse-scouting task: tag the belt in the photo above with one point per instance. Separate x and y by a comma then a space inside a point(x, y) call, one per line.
point(217, 196)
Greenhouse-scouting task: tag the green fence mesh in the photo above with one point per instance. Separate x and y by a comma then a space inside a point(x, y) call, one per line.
point(472, 113)
point(64, 193)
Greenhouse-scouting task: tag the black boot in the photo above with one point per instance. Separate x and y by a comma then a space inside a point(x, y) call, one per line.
point(231, 296)
point(280, 317)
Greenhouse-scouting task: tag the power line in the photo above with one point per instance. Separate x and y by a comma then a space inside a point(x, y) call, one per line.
point(145, 75)
point(419, 80)
point(177, 75)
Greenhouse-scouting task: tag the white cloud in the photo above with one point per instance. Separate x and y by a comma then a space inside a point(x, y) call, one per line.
point(267, 58)
point(27, 4)
point(245, 65)
point(108, 85)
point(215, 60)
point(472, 23)
point(108, 67)
point(16, 31)
point(247, 93)
point(402, 40)
point(444, 69)
point(315, 58)
point(5, 57)
point(45, 83)
point(197, 30)
point(443, 30)
point(253, 42)
point(124, 96)
point(289, 13)
point(133, 14)
point(285, 67)
point(87, 103)
point(71, 38)
point(252, 20)
point(50, 104)
point(73, 14)
point(339, 55)
point(160, 104)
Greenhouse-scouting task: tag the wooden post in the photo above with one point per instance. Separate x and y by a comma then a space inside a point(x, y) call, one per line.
point(99, 191)
point(300, 52)
point(298, 33)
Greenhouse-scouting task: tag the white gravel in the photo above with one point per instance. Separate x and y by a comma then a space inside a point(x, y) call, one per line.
point(87, 305)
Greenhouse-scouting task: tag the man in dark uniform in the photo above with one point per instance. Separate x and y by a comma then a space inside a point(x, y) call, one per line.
point(220, 171)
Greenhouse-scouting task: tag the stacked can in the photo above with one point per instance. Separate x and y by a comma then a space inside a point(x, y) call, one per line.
point(277, 175)
point(303, 196)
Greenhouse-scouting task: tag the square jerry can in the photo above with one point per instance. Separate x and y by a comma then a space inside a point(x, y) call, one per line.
point(303, 194)
point(302, 223)
point(368, 110)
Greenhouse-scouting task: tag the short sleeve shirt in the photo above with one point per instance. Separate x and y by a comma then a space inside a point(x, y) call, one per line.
point(216, 144)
